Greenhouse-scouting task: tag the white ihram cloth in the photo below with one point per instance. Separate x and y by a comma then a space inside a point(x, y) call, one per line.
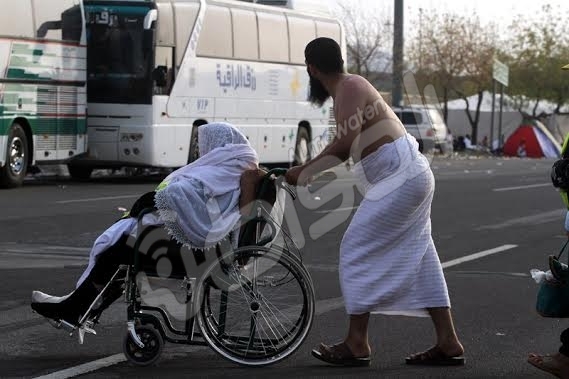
point(388, 260)
point(198, 203)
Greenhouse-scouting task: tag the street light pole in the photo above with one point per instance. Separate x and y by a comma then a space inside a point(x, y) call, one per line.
point(397, 93)
point(420, 38)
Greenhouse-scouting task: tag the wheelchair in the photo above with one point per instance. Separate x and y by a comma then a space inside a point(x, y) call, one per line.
point(251, 302)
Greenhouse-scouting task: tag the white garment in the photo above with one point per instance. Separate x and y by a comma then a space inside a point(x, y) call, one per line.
point(388, 260)
point(199, 203)
point(206, 193)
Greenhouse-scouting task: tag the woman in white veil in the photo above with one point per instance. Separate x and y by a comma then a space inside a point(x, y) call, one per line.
point(198, 204)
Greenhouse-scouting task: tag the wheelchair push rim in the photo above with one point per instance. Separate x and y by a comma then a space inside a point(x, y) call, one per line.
point(256, 307)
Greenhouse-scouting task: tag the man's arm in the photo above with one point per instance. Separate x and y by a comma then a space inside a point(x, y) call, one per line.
point(349, 105)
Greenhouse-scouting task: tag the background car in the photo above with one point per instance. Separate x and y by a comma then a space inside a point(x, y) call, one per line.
point(427, 126)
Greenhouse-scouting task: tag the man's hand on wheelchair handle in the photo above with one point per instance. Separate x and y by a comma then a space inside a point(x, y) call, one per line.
point(298, 176)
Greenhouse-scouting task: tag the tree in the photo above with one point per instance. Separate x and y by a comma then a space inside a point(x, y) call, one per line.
point(539, 48)
point(368, 40)
point(455, 53)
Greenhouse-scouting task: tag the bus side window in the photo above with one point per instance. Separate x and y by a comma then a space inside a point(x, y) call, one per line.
point(273, 37)
point(216, 38)
point(245, 35)
point(330, 30)
point(163, 74)
point(301, 32)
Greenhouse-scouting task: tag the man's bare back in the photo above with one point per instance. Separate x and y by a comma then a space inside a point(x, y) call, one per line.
point(359, 106)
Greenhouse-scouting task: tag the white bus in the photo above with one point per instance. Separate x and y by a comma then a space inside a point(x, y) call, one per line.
point(159, 69)
point(42, 85)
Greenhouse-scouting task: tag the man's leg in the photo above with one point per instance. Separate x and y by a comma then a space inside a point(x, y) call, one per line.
point(357, 339)
point(447, 339)
point(448, 349)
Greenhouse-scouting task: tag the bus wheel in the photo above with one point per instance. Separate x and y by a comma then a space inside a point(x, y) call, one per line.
point(302, 150)
point(13, 173)
point(79, 172)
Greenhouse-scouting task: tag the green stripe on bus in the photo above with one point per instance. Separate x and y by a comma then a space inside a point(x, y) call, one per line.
point(43, 88)
point(50, 126)
point(17, 73)
point(25, 50)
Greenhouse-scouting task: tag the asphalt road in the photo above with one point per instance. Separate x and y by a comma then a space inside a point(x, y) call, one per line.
point(47, 227)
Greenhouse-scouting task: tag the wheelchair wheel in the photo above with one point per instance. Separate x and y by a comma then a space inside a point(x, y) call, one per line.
point(153, 344)
point(255, 306)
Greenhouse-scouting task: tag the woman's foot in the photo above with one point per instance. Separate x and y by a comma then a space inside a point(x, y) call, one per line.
point(556, 364)
point(69, 308)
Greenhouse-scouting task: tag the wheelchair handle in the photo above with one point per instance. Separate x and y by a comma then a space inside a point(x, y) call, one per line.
point(277, 172)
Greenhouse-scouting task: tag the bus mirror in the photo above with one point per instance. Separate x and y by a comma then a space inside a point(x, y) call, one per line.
point(150, 17)
point(160, 76)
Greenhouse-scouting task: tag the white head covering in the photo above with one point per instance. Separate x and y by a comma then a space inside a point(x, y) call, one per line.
point(199, 203)
point(219, 134)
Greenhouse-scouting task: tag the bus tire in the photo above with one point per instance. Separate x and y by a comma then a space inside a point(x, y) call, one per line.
point(302, 150)
point(79, 172)
point(14, 171)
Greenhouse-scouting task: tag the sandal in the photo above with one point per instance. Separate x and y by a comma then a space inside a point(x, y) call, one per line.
point(434, 357)
point(341, 355)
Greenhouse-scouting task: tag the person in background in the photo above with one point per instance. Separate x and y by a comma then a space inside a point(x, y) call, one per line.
point(522, 152)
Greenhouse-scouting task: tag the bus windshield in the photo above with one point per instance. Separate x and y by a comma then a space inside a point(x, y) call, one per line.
point(119, 51)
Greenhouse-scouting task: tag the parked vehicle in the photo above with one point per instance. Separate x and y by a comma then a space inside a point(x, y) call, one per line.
point(43, 78)
point(418, 123)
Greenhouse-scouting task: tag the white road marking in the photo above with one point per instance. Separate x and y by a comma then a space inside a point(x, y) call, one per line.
point(536, 219)
point(479, 255)
point(322, 307)
point(530, 186)
point(97, 199)
point(86, 367)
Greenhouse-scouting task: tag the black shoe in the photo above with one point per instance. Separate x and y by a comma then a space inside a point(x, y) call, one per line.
point(69, 308)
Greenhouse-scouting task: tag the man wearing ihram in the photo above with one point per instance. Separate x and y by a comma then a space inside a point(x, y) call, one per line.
point(388, 261)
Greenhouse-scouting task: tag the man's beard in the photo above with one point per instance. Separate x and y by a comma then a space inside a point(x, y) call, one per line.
point(318, 93)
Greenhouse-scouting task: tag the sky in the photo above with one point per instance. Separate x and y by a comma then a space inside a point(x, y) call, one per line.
point(501, 12)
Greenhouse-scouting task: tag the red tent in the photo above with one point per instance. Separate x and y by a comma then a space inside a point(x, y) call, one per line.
point(537, 143)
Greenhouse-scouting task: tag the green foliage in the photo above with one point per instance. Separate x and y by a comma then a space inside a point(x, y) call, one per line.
point(539, 47)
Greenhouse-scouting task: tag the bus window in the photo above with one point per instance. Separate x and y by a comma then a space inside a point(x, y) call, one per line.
point(273, 37)
point(17, 22)
point(301, 32)
point(216, 36)
point(120, 60)
point(330, 30)
point(245, 38)
point(165, 25)
point(163, 74)
point(186, 15)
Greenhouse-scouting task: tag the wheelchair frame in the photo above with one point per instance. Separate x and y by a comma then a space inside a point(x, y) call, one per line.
point(147, 332)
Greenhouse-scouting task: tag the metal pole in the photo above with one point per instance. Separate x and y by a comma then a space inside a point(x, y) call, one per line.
point(500, 121)
point(492, 120)
point(397, 93)
point(420, 38)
